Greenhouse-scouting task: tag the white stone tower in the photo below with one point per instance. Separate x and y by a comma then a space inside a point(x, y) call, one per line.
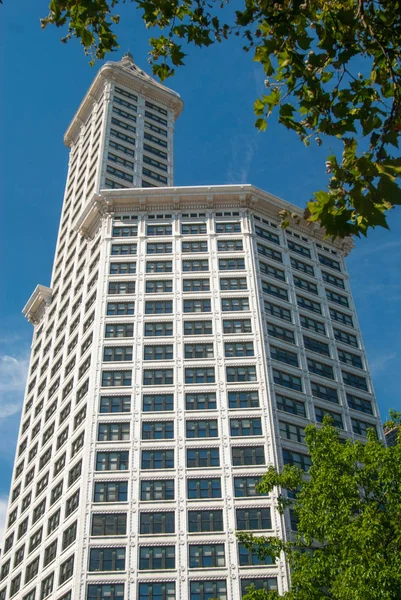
point(184, 343)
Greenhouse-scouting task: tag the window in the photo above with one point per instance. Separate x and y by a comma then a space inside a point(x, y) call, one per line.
point(267, 235)
point(200, 375)
point(50, 553)
point(5, 569)
point(360, 404)
point(233, 227)
point(123, 249)
point(112, 461)
point(66, 570)
point(35, 539)
point(201, 429)
point(306, 285)
point(32, 570)
point(107, 559)
point(361, 427)
point(157, 490)
point(206, 556)
point(320, 368)
point(245, 487)
point(113, 432)
point(196, 285)
point(75, 473)
point(110, 491)
point(191, 247)
point(237, 326)
point(238, 349)
point(355, 381)
point(208, 590)
point(309, 323)
point(15, 585)
point(302, 461)
point(253, 518)
point(337, 298)
point(156, 286)
point(120, 268)
point(350, 359)
point(205, 520)
point(116, 309)
point(197, 306)
point(301, 266)
point(229, 245)
point(158, 377)
point(159, 230)
point(309, 304)
point(158, 307)
point(287, 380)
point(156, 558)
point(165, 266)
point(287, 335)
point(233, 284)
point(106, 591)
point(157, 591)
point(289, 405)
point(198, 328)
point(163, 329)
point(158, 402)
point(158, 352)
point(195, 265)
point(248, 455)
point(121, 287)
point(156, 523)
point(333, 280)
point(69, 535)
point(157, 459)
point(117, 353)
point(249, 557)
point(109, 524)
point(115, 404)
point(336, 315)
point(199, 351)
point(245, 427)
point(240, 374)
point(203, 488)
point(234, 304)
point(206, 401)
point(322, 412)
point(152, 430)
point(269, 253)
point(62, 438)
point(316, 346)
point(193, 228)
point(345, 338)
point(159, 248)
point(231, 264)
point(299, 249)
point(19, 556)
point(285, 356)
point(116, 378)
point(242, 399)
point(53, 522)
point(329, 262)
point(278, 311)
point(203, 457)
point(56, 492)
point(272, 271)
point(47, 586)
point(292, 432)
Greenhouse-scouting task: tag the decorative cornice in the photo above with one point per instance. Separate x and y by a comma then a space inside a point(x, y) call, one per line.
point(34, 308)
point(198, 197)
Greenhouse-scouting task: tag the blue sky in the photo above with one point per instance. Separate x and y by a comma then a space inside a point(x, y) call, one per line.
point(42, 84)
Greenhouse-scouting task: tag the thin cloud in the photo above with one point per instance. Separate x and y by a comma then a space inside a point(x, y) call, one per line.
point(380, 364)
point(13, 371)
point(362, 252)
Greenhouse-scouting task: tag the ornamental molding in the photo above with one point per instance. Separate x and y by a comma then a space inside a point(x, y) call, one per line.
point(34, 309)
point(196, 197)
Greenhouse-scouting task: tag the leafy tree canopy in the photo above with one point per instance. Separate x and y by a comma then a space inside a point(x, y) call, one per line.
point(348, 543)
point(332, 69)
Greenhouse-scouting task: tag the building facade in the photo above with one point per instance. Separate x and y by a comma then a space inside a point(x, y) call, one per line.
point(183, 345)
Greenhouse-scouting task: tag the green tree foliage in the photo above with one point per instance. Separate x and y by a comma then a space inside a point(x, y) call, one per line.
point(332, 69)
point(348, 544)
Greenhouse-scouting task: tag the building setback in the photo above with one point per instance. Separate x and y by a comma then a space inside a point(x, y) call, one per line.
point(185, 342)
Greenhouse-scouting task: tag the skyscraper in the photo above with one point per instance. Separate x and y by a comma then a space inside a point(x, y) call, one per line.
point(184, 343)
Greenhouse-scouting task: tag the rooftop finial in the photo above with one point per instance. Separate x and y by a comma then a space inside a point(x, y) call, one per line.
point(128, 55)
